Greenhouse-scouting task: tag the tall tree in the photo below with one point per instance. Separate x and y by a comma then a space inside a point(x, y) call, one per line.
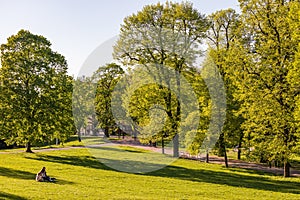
point(267, 95)
point(163, 34)
point(107, 76)
point(294, 73)
point(223, 29)
point(35, 90)
point(83, 102)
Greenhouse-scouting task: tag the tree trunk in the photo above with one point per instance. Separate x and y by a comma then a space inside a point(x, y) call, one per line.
point(106, 132)
point(28, 148)
point(225, 158)
point(154, 144)
point(178, 111)
point(239, 154)
point(176, 146)
point(207, 157)
point(79, 136)
point(162, 146)
point(134, 135)
point(240, 146)
point(221, 145)
point(286, 169)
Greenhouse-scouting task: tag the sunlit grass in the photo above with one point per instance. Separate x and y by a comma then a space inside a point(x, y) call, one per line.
point(79, 175)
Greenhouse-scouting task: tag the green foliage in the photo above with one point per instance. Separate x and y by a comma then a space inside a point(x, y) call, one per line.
point(83, 102)
point(107, 76)
point(265, 86)
point(224, 25)
point(35, 90)
point(162, 35)
point(294, 72)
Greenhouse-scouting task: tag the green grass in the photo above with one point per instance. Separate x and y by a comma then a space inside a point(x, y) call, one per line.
point(81, 176)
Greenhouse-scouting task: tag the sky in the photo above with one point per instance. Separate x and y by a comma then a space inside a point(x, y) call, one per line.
point(77, 27)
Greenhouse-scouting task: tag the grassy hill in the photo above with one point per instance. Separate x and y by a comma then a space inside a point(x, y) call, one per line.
point(81, 176)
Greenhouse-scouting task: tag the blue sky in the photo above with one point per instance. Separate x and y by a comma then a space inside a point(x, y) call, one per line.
point(76, 27)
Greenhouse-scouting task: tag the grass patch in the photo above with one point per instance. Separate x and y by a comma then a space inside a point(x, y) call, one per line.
point(80, 176)
point(133, 149)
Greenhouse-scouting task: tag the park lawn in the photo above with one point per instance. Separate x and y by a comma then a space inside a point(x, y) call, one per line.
point(79, 175)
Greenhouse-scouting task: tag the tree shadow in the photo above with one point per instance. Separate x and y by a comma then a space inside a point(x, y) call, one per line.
point(101, 163)
point(254, 171)
point(229, 179)
point(4, 195)
point(19, 174)
point(131, 166)
point(83, 161)
point(121, 149)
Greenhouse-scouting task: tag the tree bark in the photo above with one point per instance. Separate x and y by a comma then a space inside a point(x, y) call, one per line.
point(240, 146)
point(106, 132)
point(162, 146)
point(225, 158)
point(154, 144)
point(79, 136)
point(207, 157)
point(239, 154)
point(28, 148)
point(286, 169)
point(176, 146)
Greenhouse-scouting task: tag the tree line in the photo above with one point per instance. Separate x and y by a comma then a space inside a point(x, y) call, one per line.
point(256, 52)
point(253, 55)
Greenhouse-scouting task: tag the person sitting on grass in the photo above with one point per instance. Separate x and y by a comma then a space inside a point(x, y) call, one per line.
point(42, 176)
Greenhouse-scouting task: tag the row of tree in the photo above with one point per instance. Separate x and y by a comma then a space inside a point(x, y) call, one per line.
point(256, 54)
point(245, 94)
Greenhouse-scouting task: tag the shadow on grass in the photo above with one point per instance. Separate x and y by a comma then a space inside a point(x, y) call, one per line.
point(19, 174)
point(84, 161)
point(60, 182)
point(120, 149)
point(254, 171)
point(228, 177)
point(4, 195)
point(101, 163)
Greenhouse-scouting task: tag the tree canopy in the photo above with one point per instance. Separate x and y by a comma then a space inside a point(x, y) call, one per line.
point(107, 77)
point(266, 53)
point(163, 35)
point(35, 90)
